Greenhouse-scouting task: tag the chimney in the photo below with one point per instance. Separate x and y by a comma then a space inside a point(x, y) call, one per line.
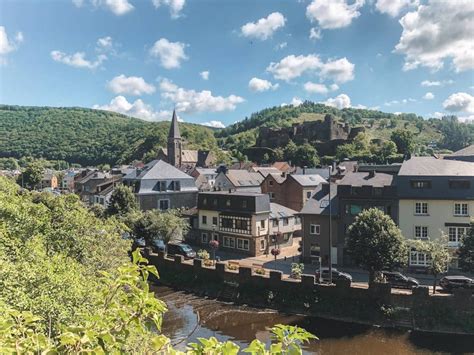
point(355, 168)
point(304, 170)
point(230, 190)
point(283, 174)
point(371, 173)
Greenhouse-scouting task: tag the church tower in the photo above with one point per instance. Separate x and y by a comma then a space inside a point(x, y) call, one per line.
point(174, 143)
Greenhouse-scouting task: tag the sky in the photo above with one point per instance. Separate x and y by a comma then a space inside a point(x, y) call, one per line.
point(218, 61)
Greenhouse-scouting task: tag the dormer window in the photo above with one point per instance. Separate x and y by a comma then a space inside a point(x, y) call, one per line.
point(420, 184)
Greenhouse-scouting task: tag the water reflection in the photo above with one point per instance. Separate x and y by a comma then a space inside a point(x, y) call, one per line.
point(191, 317)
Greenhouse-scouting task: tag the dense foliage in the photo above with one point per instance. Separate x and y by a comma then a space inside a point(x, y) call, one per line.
point(375, 242)
point(86, 136)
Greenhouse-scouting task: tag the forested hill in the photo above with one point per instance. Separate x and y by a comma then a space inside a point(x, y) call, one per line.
point(87, 136)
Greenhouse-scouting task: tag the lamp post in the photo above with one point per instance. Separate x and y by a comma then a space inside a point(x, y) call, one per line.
point(330, 229)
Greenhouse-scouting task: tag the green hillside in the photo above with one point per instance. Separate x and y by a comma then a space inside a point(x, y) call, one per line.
point(87, 136)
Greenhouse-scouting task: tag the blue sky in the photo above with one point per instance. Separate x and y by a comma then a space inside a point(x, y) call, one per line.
point(145, 57)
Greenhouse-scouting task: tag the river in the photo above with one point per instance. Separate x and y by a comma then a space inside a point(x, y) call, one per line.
point(190, 317)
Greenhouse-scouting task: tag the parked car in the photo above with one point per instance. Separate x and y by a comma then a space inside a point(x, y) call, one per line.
point(157, 245)
point(138, 243)
point(449, 283)
point(398, 280)
point(181, 249)
point(336, 275)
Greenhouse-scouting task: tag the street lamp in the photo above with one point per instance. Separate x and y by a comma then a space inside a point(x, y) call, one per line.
point(330, 229)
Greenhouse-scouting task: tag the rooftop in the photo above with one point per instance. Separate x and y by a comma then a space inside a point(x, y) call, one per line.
point(367, 179)
point(308, 180)
point(469, 150)
point(429, 166)
point(157, 170)
point(319, 201)
point(279, 211)
point(244, 178)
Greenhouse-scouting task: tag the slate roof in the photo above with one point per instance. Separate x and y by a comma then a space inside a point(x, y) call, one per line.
point(282, 166)
point(308, 180)
point(158, 170)
point(278, 178)
point(240, 178)
point(174, 128)
point(323, 172)
point(206, 171)
point(187, 155)
point(468, 151)
point(265, 170)
point(429, 166)
point(366, 179)
point(279, 211)
point(319, 201)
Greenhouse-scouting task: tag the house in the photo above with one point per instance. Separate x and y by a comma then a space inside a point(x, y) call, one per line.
point(358, 191)
point(104, 192)
point(436, 197)
point(159, 185)
point(291, 191)
point(465, 154)
point(323, 172)
point(238, 180)
point(244, 222)
point(315, 219)
point(181, 158)
point(205, 178)
point(49, 181)
point(265, 170)
point(86, 183)
point(283, 166)
point(67, 181)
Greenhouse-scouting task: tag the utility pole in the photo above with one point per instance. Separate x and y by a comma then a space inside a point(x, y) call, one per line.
point(330, 229)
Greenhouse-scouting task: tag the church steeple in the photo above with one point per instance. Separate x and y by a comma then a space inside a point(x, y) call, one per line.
point(174, 142)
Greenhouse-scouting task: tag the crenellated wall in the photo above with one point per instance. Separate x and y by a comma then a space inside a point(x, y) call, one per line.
point(375, 305)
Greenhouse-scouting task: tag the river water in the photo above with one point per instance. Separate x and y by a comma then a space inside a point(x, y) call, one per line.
point(190, 317)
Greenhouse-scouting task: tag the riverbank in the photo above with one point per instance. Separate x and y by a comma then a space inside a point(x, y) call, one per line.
point(374, 306)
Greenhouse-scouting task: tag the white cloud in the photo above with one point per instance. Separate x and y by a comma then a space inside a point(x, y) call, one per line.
point(8, 46)
point(438, 31)
point(204, 75)
point(265, 27)
point(333, 14)
point(117, 7)
point(291, 67)
point(429, 96)
point(340, 101)
point(105, 44)
point(78, 59)
point(136, 109)
point(214, 124)
point(398, 102)
point(428, 83)
point(459, 102)
point(295, 101)
point(256, 84)
point(394, 7)
point(175, 6)
point(468, 119)
point(191, 101)
point(315, 88)
point(334, 87)
point(170, 53)
point(438, 114)
point(131, 85)
point(315, 33)
point(340, 70)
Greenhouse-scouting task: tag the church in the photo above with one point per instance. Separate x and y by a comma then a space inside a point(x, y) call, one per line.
point(184, 159)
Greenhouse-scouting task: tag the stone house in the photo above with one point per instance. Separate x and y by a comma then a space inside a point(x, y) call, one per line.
point(238, 180)
point(159, 185)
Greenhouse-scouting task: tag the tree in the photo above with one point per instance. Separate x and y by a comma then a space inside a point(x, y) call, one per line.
point(466, 252)
point(439, 254)
point(387, 149)
point(375, 242)
point(31, 176)
point(405, 141)
point(306, 155)
point(122, 201)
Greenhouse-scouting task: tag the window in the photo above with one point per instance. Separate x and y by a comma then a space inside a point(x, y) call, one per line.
point(455, 234)
point(162, 186)
point(286, 236)
point(314, 229)
point(229, 242)
point(461, 209)
point(275, 222)
point(176, 186)
point(272, 195)
point(459, 184)
point(244, 204)
point(241, 224)
point(262, 224)
point(420, 184)
point(214, 202)
point(419, 259)
point(227, 203)
point(297, 220)
point(421, 208)
point(227, 223)
point(315, 250)
point(204, 239)
point(353, 209)
point(204, 219)
point(421, 232)
point(204, 201)
point(243, 244)
point(378, 191)
point(164, 204)
point(270, 183)
point(214, 221)
point(308, 194)
point(285, 221)
point(262, 244)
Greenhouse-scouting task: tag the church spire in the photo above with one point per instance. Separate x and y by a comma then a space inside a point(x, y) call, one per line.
point(174, 143)
point(174, 129)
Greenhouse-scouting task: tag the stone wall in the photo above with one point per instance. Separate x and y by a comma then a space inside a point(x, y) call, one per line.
point(375, 305)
